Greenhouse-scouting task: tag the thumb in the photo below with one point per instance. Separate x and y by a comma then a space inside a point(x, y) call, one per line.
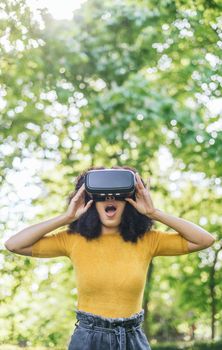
point(89, 204)
point(130, 200)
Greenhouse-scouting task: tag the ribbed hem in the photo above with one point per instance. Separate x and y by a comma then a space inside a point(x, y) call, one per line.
point(185, 245)
point(140, 313)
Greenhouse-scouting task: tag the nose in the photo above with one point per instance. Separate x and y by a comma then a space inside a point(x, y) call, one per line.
point(108, 198)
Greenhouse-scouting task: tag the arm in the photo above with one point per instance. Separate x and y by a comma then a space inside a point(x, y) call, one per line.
point(27, 237)
point(197, 237)
point(33, 233)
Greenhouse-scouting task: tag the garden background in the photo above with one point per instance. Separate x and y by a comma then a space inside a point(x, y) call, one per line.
point(126, 82)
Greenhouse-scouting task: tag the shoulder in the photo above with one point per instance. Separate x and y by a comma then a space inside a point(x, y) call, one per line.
point(150, 236)
point(156, 233)
point(152, 233)
point(63, 233)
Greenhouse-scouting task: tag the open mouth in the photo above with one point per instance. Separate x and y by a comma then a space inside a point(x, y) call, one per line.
point(110, 210)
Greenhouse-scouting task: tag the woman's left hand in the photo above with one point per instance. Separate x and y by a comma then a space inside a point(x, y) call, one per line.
point(143, 204)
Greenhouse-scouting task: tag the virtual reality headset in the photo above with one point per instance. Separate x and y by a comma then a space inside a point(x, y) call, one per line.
point(107, 184)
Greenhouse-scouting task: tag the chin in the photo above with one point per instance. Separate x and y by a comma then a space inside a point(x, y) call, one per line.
point(110, 224)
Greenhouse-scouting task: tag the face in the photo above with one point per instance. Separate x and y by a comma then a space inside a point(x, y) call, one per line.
point(109, 217)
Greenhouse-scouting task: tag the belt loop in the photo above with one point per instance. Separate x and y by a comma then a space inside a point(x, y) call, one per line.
point(134, 329)
point(91, 323)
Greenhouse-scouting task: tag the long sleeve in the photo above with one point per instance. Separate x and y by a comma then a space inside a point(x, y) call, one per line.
point(58, 243)
point(168, 243)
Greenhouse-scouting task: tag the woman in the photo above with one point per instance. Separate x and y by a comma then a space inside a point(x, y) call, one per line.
point(111, 252)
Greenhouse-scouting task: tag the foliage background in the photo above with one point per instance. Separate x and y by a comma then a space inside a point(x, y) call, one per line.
point(123, 82)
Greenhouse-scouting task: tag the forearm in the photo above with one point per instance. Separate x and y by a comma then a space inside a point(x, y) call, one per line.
point(187, 229)
point(33, 233)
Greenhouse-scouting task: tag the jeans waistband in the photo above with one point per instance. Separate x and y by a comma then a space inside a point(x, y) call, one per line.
point(107, 322)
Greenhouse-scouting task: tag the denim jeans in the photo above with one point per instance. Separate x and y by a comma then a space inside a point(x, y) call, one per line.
point(94, 332)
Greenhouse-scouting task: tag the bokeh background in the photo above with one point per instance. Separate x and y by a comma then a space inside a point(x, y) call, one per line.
point(89, 83)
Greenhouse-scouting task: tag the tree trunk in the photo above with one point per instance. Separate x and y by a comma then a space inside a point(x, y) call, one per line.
point(212, 284)
point(146, 298)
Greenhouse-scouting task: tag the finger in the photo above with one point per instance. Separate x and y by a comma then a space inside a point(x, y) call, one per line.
point(139, 181)
point(78, 194)
point(148, 183)
point(130, 200)
point(88, 205)
point(82, 188)
point(137, 186)
point(139, 191)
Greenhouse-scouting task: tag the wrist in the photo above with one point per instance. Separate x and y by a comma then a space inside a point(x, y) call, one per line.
point(154, 214)
point(65, 219)
point(68, 219)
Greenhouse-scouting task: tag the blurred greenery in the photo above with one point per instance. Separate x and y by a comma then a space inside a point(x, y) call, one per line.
point(123, 82)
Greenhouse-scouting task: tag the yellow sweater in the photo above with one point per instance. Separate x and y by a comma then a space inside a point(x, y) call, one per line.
point(110, 273)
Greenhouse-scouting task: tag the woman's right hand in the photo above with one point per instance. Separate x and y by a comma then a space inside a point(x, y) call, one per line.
point(77, 205)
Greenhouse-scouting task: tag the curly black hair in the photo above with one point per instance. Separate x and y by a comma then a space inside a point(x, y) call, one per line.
point(133, 224)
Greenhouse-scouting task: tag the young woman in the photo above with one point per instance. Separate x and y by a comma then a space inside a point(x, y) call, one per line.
point(111, 250)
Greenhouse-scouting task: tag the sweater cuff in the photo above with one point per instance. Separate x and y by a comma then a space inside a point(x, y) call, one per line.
point(185, 245)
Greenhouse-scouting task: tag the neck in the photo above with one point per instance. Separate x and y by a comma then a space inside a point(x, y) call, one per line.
point(107, 230)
